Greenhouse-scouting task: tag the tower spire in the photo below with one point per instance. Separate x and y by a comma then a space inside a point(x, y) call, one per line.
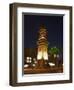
point(42, 44)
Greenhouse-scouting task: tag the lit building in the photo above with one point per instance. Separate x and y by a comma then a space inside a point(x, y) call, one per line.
point(38, 60)
point(42, 43)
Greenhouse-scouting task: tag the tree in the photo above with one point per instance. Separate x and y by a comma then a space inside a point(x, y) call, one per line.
point(54, 55)
point(54, 50)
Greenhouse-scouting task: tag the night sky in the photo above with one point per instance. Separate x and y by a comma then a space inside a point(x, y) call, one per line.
point(53, 24)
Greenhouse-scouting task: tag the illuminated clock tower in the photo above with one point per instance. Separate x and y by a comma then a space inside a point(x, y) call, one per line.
point(42, 44)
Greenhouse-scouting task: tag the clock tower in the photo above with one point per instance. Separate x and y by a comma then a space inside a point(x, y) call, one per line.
point(42, 47)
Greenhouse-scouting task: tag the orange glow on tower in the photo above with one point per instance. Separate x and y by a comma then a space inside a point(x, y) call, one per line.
point(42, 43)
